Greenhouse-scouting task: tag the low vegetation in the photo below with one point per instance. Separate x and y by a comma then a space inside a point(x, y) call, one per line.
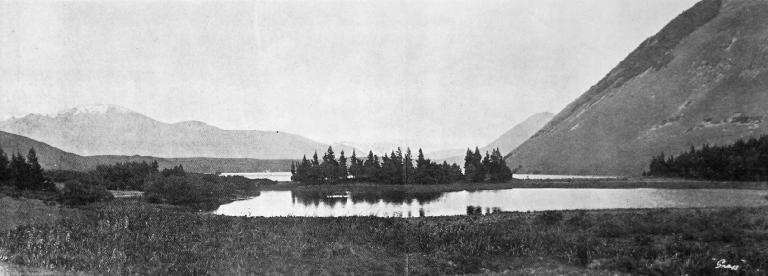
point(130, 237)
point(170, 185)
point(740, 161)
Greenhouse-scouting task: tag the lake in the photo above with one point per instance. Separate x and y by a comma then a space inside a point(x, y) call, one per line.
point(286, 176)
point(276, 176)
point(405, 204)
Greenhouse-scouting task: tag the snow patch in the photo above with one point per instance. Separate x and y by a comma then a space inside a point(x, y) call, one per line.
point(574, 127)
point(95, 109)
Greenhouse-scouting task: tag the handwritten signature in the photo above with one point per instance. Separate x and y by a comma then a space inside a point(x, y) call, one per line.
point(723, 264)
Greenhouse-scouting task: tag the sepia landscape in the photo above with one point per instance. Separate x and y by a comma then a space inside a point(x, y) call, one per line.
point(376, 137)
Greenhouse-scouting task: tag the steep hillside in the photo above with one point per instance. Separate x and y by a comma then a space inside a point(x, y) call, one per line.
point(53, 158)
point(113, 130)
point(702, 79)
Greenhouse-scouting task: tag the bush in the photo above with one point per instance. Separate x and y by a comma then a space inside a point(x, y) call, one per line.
point(188, 190)
point(549, 218)
point(78, 193)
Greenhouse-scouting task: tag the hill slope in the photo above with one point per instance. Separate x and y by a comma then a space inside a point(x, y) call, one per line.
point(506, 142)
point(53, 158)
point(113, 130)
point(49, 157)
point(702, 79)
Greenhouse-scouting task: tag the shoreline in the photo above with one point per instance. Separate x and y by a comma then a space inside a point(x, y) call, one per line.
point(524, 184)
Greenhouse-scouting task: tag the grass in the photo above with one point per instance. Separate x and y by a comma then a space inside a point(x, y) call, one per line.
point(128, 236)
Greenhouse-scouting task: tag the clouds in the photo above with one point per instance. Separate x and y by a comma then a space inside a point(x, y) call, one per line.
point(444, 73)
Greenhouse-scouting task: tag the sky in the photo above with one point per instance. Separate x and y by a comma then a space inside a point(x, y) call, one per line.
point(436, 74)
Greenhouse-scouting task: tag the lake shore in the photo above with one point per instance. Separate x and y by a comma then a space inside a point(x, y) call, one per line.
point(627, 183)
point(129, 236)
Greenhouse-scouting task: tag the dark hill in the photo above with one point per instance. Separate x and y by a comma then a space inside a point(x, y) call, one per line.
point(702, 79)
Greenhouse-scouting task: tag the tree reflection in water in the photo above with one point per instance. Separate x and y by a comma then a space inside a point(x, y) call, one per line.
point(372, 197)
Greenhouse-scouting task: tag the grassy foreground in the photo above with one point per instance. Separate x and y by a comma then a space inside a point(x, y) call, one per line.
point(132, 237)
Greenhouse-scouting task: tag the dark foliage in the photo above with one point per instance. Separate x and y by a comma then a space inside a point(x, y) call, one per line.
point(491, 168)
point(395, 168)
point(126, 176)
point(198, 190)
point(175, 171)
point(80, 193)
point(740, 161)
point(23, 173)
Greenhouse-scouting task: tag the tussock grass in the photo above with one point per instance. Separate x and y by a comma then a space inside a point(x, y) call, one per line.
point(132, 237)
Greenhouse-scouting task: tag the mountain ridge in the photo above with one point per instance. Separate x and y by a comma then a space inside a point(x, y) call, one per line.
point(52, 158)
point(115, 130)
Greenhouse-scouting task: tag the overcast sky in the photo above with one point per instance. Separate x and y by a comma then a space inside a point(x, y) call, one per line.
point(436, 74)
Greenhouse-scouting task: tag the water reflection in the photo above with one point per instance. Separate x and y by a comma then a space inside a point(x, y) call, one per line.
point(370, 197)
point(408, 204)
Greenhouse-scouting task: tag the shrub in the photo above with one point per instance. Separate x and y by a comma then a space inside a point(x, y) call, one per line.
point(549, 218)
point(187, 190)
point(79, 193)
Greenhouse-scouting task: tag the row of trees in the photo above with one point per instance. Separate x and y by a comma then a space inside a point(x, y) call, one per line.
point(741, 161)
point(23, 173)
point(398, 168)
point(491, 168)
point(395, 168)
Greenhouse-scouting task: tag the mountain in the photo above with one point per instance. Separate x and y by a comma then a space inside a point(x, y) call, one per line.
point(52, 158)
point(505, 143)
point(520, 132)
point(702, 79)
point(114, 130)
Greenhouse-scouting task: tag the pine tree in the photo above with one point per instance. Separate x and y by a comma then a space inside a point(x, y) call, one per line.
point(477, 161)
point(408, 169)
point(469, 165)
point(19, 171)
point(342, 171)
point(355, 168)
point(35, 177)
point(4, 171)
point(330, 167)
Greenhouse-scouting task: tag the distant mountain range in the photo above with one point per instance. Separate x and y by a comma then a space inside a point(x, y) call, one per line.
point(52, 158)
point(702, 79)
point(114, 130)
point(505, 143)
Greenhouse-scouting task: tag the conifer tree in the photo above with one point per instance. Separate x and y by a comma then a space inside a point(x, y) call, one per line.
point(354, 166)
point(19, 171)
point(342, 171)
point(469, 165)
point(4, 171)
point(330, 167)
point(35, 178)
point(408, 169)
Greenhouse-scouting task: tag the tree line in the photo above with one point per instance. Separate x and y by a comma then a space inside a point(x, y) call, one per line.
point(23, 173)
point(491, 168)
point(744, 160)
point(398, 168)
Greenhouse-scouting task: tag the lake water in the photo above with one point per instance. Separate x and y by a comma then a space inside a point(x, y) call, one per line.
point(276, 176)
point(402, 204)
point(286, 176)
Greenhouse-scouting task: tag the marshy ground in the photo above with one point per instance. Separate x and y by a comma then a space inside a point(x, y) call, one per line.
point(130, 236)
